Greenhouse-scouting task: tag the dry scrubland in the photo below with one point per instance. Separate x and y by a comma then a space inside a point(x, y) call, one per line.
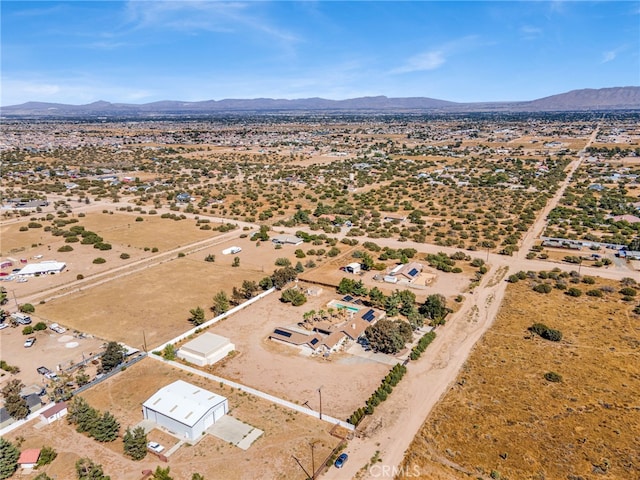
point(286, 433)
point(501, 416)
point(126, 236)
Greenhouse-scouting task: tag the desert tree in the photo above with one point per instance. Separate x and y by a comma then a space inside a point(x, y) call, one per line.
point(9, 455)
point(87, 469)
point(47, 455)
point(14, 403)
point(135, 443)
point(113, 356)
point(106, 428)
point(220, 303)
point(197, 316)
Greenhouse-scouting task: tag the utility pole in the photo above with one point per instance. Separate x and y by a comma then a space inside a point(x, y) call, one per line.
point(303, 469)
point(320, 393)
point(313, 461)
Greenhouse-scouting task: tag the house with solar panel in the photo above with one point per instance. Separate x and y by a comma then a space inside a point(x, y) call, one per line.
point(407, 272)
point(330, 334)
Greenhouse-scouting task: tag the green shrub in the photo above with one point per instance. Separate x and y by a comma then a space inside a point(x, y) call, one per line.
point(553, 377)
point(99, 260)
point(542, 288)
point(293, 296)
point(553, 335)
point(125, 256)
point(574, 292)
point(628, 292)
point(28, 330)
point(65, 248)
point(27, 308)
point(595, 293)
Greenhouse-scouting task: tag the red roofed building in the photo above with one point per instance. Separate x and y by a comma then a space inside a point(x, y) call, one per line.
point(29, 458)
point(52, 414)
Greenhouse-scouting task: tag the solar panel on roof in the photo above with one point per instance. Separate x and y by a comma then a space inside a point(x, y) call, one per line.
point(413, 272)
point(369, 315)
point(284, 333)
point(347, 298)
point(314, 341)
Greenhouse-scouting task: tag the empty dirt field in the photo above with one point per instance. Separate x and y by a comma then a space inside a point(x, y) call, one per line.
point(286, 433)
point(503, 419)
point(156, 300)
point(152, 231)
point(346, 381)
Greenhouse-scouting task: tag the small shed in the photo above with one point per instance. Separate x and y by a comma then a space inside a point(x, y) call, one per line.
point(184, 409)
point(206, 349)
point(29, 458)
point(54, 413)
point(354, 267)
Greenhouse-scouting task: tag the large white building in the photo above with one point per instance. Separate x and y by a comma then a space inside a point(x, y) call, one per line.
point(184, 409)
point(43, 268)
point(206, 349)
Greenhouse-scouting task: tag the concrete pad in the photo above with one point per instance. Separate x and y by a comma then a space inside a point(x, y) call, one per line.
point(234, 431)
point(148, 425)
point(247, 441)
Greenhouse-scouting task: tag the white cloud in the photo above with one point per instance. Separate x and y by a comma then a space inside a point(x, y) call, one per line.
point(221, 17)
point(611, 55)
point(434, 58)
point(430, 60)
point(529, 32)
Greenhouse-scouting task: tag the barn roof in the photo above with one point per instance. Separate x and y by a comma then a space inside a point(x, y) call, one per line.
point(183, 402)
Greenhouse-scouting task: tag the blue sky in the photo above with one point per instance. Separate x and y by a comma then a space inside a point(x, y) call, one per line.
point(143, 51)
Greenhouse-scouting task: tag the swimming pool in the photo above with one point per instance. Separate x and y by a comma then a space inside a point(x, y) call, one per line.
point(339, 306)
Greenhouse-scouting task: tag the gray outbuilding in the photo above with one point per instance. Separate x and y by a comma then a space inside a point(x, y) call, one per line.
point(185, 410)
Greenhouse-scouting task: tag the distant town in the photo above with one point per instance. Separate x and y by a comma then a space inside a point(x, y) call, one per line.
point(320, 295)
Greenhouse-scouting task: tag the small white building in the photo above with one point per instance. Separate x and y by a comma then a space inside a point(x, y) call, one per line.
point(354, 267)
point(29, 458)
point(43, 268)
point(185, 410)
point(231, 250)
point(287, 240)
point(54, 413)
point(206, 349)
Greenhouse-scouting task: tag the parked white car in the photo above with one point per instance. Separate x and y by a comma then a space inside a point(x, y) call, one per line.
point(57, 328)
point(3, 326)
point(155, 447)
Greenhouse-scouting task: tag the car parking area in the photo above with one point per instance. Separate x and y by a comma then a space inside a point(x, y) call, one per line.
point(51, 350)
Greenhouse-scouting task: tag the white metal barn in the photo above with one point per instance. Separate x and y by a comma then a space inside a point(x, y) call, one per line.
point(206, 349)
point(185, 410)
point(42, 268)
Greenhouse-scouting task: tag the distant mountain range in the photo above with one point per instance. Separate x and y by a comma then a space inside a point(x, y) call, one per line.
point(616, 98)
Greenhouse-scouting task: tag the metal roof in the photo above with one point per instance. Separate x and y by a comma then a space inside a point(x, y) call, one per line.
point(183, 402)
point(42, 267)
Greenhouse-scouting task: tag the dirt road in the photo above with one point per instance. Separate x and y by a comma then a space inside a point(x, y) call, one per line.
point(398, 420)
